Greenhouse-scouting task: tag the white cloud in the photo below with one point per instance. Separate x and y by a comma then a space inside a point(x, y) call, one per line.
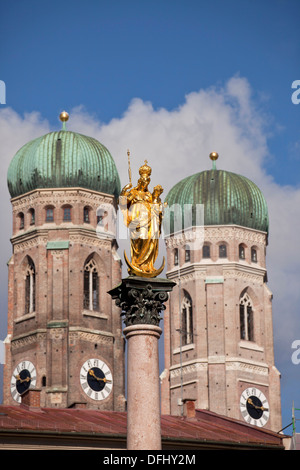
point(177, 143)
point(15, 131)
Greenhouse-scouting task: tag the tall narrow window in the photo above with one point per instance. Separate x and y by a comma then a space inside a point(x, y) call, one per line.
point(86, 215)
point(176, 257)
point(32, 216)
point(187, 253)
point(253, 255)
point(49, 214)
point(206, 251)
point(102, 218)
point(91, 286)
point(246, 318)
point(222, 251)
point(30, 288)
point(67, 214)
point(241, 251)
point(21, 220)
point(187, 320)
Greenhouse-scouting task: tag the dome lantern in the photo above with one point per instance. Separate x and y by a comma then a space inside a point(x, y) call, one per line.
point(64, 117)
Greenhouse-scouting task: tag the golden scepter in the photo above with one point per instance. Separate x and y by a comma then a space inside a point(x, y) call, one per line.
point(129, 169)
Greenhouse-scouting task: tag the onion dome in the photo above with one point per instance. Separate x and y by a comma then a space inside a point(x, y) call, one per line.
point(63, 159)
point(227, 198)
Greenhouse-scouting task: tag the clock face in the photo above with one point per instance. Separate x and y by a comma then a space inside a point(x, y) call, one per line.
point(254, 407)
point(96, 379)
point(22, 378)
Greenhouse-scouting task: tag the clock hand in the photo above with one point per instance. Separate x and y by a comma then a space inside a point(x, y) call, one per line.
point(104, 379)
point(27, 379)
point(92, 373)
point(251, 403)
point(263, 408)
point(257, 407)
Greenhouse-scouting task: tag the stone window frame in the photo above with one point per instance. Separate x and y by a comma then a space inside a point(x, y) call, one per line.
point(254, 254)
point(91, 286)
point(30, 287)
point(49, 218)
point(106, 219)
point(21, 220)
point(69, 208)
point(246, 314)
point(206, 245)
point(31, 213)
point(176, 256)
point(242, 251)
point(221, 245)
point(186, 327)
point(187, 254)
point(87, 214)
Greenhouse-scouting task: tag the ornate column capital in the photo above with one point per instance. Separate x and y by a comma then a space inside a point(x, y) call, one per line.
point(142, 299)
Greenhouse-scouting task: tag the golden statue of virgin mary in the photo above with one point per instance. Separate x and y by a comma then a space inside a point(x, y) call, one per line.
point(142, 212)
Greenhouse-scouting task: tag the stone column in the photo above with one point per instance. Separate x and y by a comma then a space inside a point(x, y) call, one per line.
point(142, 301)
point(143, 398)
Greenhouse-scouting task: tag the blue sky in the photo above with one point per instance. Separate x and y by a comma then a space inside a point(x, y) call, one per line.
point(102, 54)
point(127, 71)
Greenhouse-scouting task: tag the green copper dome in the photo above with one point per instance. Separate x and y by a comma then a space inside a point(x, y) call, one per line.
point(227, 199)
point(63, 159)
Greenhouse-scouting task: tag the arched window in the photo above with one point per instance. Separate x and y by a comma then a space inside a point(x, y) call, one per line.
point(253, 255)
point(106, 221)
point(187, 320)
point(21, 220)
point(67, 214)
point(246, 318)
point(206, 251)
point(32, 216)
point(222, 251)
point(91, 286)
point(49, 214)
point(86, 214)
point(102, 218)
point(242, 251)
point(30, 288)
point(176, 257)
point(187, 257)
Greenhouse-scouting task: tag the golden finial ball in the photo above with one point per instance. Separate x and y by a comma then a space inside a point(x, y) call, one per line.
point(64, 116)
point(214, 156)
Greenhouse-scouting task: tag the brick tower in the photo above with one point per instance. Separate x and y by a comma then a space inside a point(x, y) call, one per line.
point(218, 326)
point(64, 332)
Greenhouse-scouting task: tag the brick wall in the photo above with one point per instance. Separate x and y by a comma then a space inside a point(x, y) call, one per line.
point(60, 335)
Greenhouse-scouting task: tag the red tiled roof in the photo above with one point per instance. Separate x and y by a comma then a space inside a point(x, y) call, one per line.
point(211, 427)
point(62, 420)
point(205, 426)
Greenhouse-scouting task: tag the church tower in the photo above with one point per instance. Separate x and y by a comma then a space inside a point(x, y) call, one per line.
point(64, 333)
point(218, 325)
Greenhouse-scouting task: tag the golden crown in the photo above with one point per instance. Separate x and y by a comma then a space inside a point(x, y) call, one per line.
point(145, 170)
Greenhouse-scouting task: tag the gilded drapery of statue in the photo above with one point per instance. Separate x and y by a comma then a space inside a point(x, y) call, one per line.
point(142, 212)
